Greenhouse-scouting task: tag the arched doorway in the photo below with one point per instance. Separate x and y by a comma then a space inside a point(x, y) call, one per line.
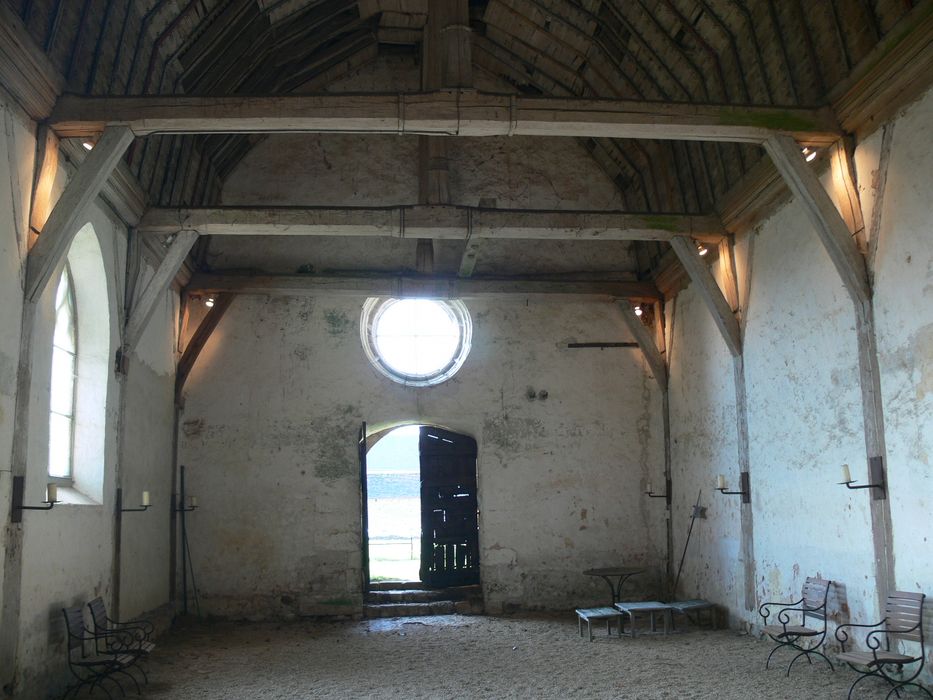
point(419, 507)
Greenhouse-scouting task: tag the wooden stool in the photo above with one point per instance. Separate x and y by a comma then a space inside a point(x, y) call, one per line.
point(590, 614)
point(648, 606)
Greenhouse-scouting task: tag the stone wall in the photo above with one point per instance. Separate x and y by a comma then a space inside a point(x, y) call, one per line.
point(272, 454)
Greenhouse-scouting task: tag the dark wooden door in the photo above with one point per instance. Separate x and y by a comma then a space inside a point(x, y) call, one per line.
point(449, 521)
point(364, 510)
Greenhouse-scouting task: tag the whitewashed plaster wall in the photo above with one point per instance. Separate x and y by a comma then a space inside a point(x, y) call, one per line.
point(269, 440)
point(703, 444)
point(904, 320)
point(278, 531)
point(805, 420)
point(147, 464)
point(804, 404)
point(67, 553)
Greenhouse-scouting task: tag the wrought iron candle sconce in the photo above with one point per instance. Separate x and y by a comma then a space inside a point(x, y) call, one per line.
point(745, 488)
point(875, 475)
point(192, 505)
point(17, 507)
point(666, 495)
point(143, 506)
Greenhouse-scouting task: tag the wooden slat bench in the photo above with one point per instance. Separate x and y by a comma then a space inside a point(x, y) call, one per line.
point(652, 608)
point(691, 609)
point(590, 614)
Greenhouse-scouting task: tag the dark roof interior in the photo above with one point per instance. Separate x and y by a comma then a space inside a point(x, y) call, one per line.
point(762, 52)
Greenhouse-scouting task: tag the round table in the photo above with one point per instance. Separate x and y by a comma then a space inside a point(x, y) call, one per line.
point(620, 573)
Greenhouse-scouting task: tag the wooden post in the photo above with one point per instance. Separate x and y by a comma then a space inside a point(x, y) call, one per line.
point(722, 306)
point(840, 243)
point(445, 62)
point(63, 222)
point(748, 525)
point(472, 244)
point(657, 362)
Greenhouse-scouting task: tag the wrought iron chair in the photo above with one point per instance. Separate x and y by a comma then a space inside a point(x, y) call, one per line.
point(136, 630)
point(92, 669)
point(903, 622)
point(812, 604)
point(113, 636)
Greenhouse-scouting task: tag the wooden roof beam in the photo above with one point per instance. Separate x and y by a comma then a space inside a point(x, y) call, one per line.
point(649, 349)
point(711, 294)
point(830, 227)
point(62, 225)
point(447, 222)
point(143, 307)
point(414, 286)
point(447, 112)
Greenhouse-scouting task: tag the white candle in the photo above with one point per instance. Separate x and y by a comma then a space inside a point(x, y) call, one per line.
point(51, 493)
point(846, 474)
point(194, 501)
point(145, 498)
point(721, 482)
point(650, 490)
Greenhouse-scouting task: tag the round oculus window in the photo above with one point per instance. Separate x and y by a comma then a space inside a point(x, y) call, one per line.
point(417, 342)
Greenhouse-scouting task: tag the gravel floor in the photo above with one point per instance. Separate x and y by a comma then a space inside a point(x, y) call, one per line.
point(473, 657)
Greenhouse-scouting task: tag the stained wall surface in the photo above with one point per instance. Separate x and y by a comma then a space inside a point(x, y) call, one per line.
point(804, 402)
point(273, 454)
point(66, 556)
point(560, 480)
point(904, 318)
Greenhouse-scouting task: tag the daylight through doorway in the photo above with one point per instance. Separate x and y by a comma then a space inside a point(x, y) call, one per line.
point(394, 506)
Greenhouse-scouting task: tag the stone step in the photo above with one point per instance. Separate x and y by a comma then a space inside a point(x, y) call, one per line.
point(441, 607)
point(405, 596)
point(396, 586)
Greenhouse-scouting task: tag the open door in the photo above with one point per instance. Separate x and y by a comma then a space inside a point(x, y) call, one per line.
point(364, 510)
point(449, 520)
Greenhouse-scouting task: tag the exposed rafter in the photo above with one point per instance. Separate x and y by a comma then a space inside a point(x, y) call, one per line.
point(648, 347)
point(443, 113)
point(161, 279)
point(198, 340)
point(427, 221)
point(62, 224)
point(710, 293)
point(832, 230)
point(402, 286)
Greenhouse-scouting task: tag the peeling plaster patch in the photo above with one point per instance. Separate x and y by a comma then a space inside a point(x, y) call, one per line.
point(338, 323)
point(497, 555)
point(193, 428)
point(923, 357)
point(335, 451)
point(643, 426)
point(911, 365)
point(7, 374)
point(508, 434)
point(302, 352)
